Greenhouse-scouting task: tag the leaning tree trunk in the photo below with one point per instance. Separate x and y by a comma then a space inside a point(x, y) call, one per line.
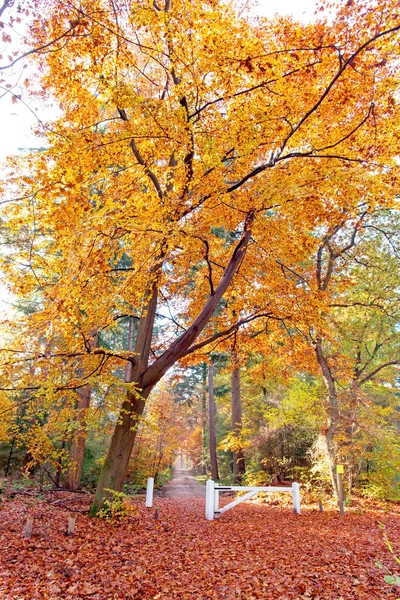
point(145, 377)
point(72, 477)
point(116, 463)
point(328, 433)
point(211, 417)
point(238, 455)
point(115, 466)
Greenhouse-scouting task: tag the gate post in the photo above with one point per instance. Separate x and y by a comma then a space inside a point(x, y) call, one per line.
point(210, 500)
point(296, 497)
point(216, 498)
point(149, 492)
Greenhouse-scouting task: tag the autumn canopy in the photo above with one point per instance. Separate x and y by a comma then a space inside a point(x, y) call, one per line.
point(201, 157)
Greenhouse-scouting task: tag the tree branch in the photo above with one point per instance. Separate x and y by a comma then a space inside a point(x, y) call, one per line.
point(178, 348)
point(140, 159)
point(375, 371)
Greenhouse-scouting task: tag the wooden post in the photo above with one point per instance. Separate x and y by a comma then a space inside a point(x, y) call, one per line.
point(296, 497)
point(210, 500)
point(149, 492)
point(339, 472)
point(320, 505)
point(71, 524)
point(28, 528)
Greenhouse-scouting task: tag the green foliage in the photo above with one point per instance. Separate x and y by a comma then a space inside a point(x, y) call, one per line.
point(117, 508)
point(382, 480)
point(391, 578)
point(94, 451)
point(300, 406)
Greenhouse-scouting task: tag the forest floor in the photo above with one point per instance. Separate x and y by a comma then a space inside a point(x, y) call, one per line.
point(253, 551)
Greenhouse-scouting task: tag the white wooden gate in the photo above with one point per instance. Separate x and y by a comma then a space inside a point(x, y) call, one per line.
point(212, 496)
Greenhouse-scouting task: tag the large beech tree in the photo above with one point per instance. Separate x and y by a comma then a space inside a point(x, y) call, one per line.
point(195, 144)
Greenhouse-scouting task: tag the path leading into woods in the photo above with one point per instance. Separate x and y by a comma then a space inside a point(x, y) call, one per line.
point(183, 485)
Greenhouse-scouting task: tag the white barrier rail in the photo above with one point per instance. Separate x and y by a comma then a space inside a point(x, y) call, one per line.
point(213, 490)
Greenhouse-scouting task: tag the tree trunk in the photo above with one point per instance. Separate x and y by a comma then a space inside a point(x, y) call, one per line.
point(115, 466)
point(238, 455)
point(211, 419)
point(57, 479)
point(77, 452)
point(72, 477)
point(9, 457)
point(203, 469)
point(333, 414)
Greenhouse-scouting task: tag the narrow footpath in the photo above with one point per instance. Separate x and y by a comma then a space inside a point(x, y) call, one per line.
point(183, 485)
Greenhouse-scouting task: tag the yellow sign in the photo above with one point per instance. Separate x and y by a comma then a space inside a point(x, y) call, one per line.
point(339, 468)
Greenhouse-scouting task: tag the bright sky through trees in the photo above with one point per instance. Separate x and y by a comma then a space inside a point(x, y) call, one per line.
point(16, 120)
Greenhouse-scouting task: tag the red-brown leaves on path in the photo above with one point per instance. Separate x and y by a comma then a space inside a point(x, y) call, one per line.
point(251, 552)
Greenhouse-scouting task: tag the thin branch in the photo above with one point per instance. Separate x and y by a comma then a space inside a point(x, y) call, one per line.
point(39, 48)
point(375, 371)
point(140, 159)
point(228, 332)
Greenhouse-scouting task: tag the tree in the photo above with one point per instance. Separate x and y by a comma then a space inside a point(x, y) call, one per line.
point(238, 455)
point(177, 118)
point(357, 339)
point(211, 424)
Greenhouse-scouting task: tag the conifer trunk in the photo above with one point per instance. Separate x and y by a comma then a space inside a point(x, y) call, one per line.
point(211, 418)
point(238, 455)
point(203, 469)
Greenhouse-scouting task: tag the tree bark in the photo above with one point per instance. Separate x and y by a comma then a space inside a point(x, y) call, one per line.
point(204, 420)
point(115, 466)
point(73, 474)
point(333, 413)
point(211, 420)
point(238, 455)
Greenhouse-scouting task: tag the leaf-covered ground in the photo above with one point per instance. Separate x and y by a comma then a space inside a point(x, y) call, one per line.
point(253, 551)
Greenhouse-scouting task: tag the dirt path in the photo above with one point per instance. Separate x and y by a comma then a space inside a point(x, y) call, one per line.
point(183, 485)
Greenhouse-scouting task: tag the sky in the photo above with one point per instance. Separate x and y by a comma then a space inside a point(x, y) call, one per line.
point(16, 120)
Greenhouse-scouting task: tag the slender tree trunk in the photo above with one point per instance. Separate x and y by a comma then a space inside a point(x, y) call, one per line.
point(238, 455)
point(72, 477)
point(9, 457)
point(59, 466)
point(204, 420)
point(131, 334)
point(211, 419)
point(333, 413)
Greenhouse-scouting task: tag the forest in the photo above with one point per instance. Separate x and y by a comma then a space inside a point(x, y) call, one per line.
point(202, 254)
